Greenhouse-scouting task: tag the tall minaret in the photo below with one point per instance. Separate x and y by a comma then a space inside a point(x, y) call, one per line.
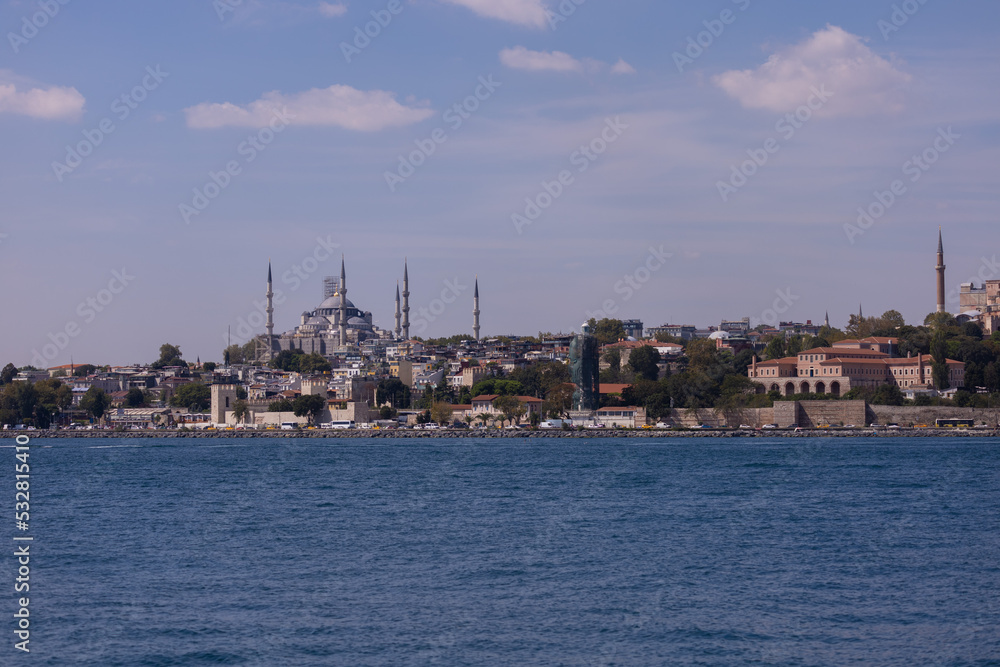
point(826, 322)
point(406, 301)
point(475, 311)
point(343, 303)
point(940, 273)
point(398, 312)
point(270, 314)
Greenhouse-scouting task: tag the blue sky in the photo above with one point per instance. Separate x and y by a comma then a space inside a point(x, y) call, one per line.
point(653, 224)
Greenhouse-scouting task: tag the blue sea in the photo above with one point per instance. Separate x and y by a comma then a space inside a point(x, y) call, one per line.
point(511, 552)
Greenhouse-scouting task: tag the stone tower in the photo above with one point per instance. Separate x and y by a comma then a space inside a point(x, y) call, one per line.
point(475, 311)
point(270, 314)
point(940, 273)
point(397, 329)
point(223, 398)
point(342, 319)
point(406, 301)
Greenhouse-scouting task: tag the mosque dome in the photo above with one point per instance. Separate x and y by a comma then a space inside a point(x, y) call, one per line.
point(333, 303)
point(717, 335)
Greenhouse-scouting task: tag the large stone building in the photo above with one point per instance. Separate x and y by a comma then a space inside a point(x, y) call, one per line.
point(849, 364)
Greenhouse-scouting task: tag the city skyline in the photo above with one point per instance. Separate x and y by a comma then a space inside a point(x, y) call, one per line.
point(637, 145)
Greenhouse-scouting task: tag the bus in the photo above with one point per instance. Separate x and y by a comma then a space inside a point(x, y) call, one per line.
point(954, 423)
point(339, 424)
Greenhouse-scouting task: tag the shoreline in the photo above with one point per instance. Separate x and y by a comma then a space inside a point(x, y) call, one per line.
point(356, 434)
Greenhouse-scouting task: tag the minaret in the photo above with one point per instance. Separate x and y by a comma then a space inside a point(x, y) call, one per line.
point(406, 301)
point(270, 313)
point(343, 303)
point(826, 321)
point(940, 273)
point(398, 312)
point(475, 311)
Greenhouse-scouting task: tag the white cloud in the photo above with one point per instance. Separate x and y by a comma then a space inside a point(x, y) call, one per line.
point(622, 67)
point(53, 103)
point(531, 13)
point(340, 106)
point(861, 82)
point(332, 9)
point(554, 61)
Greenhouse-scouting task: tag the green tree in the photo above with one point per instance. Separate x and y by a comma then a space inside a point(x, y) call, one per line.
point(281, 405)
point(84, 370)
point(8, 373)
point(775, 348)
point(310, 405)
point(170, 355)
point(241, 411)
point(645, 362)
point(393, 392)
point(209, 366)
point(194, 396)
point(134, 398)
point(508, 406)
point(607, 330)
point(95, 402)
point(441, 413)
point(313, 363)
point(241, 393)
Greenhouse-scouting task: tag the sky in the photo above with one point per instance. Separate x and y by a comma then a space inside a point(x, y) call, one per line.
point(668, 161)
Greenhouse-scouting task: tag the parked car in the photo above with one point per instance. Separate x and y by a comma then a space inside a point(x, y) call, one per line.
point(769, 426)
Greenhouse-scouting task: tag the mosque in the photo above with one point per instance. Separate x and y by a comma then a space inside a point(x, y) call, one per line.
point(337, 325)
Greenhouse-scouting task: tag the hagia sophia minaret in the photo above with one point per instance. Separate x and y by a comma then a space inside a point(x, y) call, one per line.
point(270, 314)
point(406, 301)
point(940, 273)
point(475, 311)
point(397, 328)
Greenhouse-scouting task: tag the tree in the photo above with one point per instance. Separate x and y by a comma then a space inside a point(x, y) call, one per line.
point(534, 419)
point(887, 394)
point(702, 354)
point(209, 366)
point(95, 402)
point(483, 417)
point(135, 398)
point(194, 396)
point(386, 413)
point(281, 405)
point(644, 362)
point(310, 405)
point(441, 413)
point(393, 392)
point(607, 330)
point(508, 406)
point(560, 399)
point(8, 373)
point(241, 411)
point(613, 358)
point(775, 348)
point(84, 370)
point(313, 363)
point(241, 394)
point(170, 355)
point(497, 386)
